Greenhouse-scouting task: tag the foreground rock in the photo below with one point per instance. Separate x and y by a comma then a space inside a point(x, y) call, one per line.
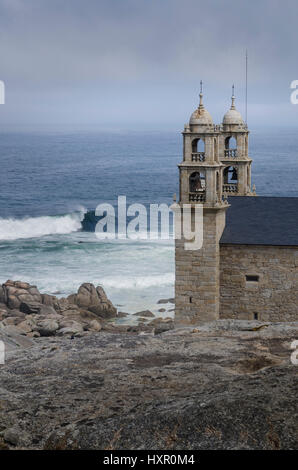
point(224, 385)
point(94, 300)
point(25, 311)
point(13, 340)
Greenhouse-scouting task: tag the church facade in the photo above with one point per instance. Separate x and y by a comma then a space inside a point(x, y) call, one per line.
point(247, 267)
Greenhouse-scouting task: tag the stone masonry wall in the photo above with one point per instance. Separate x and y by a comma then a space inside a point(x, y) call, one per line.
point(197, 274)
point(274, 297)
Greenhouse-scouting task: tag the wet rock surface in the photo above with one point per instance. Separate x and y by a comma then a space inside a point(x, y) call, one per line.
point(223, 385)
point(144, 313)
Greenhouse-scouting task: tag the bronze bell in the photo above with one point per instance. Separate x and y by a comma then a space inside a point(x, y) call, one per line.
point(234, 176)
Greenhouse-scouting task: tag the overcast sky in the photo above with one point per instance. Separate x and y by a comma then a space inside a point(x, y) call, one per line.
point(136, 64)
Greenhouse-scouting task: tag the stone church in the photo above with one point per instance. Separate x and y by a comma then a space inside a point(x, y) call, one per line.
point(247, 267)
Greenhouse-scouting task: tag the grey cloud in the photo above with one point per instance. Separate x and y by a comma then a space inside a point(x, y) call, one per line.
point(140, 61)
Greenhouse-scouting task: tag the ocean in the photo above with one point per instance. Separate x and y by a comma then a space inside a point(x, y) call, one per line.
point(51, 180)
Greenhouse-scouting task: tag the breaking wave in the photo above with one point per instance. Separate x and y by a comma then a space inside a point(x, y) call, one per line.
point(34, 227)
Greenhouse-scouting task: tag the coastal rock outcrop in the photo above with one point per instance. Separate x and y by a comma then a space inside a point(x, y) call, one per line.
point(14, 293)
point(93, 299)
point(224, 385)
point(24, 310)
point(13, 340)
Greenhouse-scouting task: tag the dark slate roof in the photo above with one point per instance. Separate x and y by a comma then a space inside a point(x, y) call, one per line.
point(261, 221)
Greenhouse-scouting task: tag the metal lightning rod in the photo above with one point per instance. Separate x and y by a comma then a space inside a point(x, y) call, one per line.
point(246, 86)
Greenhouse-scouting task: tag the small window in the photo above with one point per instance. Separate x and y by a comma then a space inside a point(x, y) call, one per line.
point(190, 300)
point(256, 316)
point(250, 278)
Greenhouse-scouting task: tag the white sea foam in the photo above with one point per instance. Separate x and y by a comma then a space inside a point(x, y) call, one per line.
point(33, 227)
point(141, 282)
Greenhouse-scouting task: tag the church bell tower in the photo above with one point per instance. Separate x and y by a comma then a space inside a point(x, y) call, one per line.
point(233, 151)
point(201, 183)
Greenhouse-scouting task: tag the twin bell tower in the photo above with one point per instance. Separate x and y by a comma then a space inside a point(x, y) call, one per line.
point(215, 166)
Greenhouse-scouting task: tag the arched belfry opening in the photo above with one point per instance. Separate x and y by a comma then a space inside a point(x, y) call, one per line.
point(230, 147)
point(197, 185)
point(198, 150)
point(197, 181)
point(230, 142)
point(230, 179)
point(231, 174)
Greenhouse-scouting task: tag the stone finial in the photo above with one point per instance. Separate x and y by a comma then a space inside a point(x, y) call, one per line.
point(233, 98)
point(201, 105)
point(233, 116)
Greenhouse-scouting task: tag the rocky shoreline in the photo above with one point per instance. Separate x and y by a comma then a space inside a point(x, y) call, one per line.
point(25, 311)
point(92, 384)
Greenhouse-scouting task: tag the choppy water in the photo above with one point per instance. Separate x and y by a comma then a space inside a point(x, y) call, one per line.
point(49, 180)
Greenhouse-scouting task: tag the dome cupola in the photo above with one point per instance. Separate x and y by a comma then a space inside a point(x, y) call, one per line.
point(200, 116)
point(232, 117)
